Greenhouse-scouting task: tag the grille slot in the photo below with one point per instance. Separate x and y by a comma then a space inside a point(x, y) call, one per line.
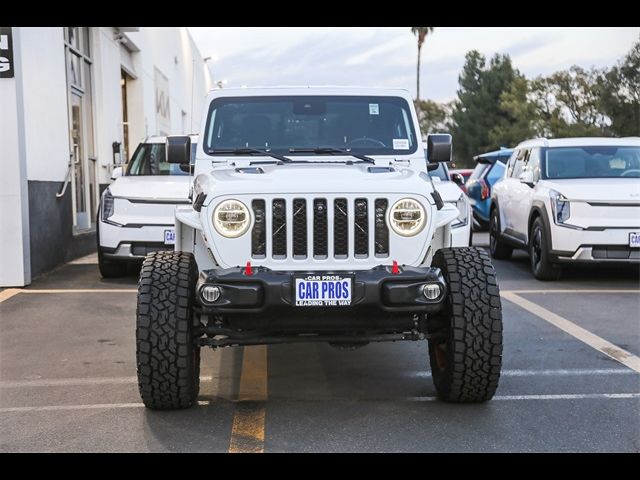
point(279, 235)
point(340, 228)
point(320, 228)
point(299, 228)
point(361, 228)
point(381, 228)
point(259, 232)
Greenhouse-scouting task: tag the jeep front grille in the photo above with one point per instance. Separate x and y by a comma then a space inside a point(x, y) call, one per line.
point(318, 228)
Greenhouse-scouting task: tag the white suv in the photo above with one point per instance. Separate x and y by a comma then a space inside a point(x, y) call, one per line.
point(314, 220)
point(569, 200)
point(136, 214)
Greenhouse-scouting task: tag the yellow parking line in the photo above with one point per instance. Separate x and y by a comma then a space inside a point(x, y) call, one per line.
point(247, 433)
point(8, 293)
point(585, 336)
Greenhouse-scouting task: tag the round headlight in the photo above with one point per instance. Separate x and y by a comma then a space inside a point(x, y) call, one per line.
point(231, 218)
point(407, 217)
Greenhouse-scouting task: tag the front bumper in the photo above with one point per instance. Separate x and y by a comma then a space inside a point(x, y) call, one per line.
point(132, 243)
point(602, 245)
point(375, 292)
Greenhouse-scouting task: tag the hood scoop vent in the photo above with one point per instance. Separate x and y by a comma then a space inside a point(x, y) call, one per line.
point(251, 170)
point(381, 169)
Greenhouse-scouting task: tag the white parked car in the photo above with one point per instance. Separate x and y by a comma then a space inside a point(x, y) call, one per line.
point(314, 220)
point(451, 193)
point(569, 200)
point(136, 214)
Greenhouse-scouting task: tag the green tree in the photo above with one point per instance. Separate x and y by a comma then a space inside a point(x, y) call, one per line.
point(568, 103)
point(477, 109)
point(620, 94)
point(433, 116)
point(421, 33)
point(520, 119)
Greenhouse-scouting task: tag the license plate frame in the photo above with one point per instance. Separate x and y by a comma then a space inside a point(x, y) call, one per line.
point(170, 236)
point(321, 295)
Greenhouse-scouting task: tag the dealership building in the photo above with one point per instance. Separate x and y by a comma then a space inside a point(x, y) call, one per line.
point(75, 101)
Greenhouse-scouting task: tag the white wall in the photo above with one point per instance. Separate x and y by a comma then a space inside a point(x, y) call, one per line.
point(46, 121)
point(159, 48)
point(15, 267)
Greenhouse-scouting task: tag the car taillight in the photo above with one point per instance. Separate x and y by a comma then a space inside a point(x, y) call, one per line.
point(484, 192)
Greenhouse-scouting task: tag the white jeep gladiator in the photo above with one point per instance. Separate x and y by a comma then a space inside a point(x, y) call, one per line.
point(313, 219)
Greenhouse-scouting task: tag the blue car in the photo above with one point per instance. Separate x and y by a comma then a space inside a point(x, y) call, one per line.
point(489, 169)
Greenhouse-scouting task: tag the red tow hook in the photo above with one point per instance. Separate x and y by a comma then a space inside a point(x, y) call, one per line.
point(395, 270)
point(248, 270)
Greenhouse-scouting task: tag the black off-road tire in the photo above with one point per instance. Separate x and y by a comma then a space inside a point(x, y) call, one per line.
point(465, 351)
point(498, 248)
point(168, 361)
point(539, 255)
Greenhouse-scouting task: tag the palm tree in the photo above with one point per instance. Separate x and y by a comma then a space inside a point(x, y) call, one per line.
point(422, 33)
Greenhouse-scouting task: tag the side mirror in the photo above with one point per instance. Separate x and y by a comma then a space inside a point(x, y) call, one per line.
point(457, 179)
point(527, 177)
point(178, 149)
point(439, 147)
point(116, 173)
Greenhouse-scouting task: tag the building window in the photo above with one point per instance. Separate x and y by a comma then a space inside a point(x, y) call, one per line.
point(83, 162)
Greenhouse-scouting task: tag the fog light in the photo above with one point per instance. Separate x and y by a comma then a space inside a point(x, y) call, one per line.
point(210, 294)
point(431, 291)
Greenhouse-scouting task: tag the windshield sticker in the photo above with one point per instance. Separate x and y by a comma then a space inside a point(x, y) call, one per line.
point(400, 144)
point(374, 109)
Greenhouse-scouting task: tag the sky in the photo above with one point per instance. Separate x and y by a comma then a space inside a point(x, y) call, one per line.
point(386, 57)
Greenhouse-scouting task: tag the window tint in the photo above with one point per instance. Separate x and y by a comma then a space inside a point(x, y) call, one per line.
point(511, 162)
point(534, 163)
point(495, 173)
point(591, 162)
point(478, 171)
point(150, 159)
point(369, 125)
point(520, 162)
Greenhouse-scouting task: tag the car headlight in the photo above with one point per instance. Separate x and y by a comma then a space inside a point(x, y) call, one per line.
point(107, 204)
point(407, 217)
point(231, 218)
point(463, 207)
point(560, 207)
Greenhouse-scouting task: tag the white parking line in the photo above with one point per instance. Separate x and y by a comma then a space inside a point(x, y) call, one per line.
point(97, 406)
point(72, 382)
point(108, 406)
point(561, 396)
point(550, 373)
point(8, 293)
point(591, 339)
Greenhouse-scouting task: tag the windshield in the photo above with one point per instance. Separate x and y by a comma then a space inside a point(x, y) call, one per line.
point(150, 159)
point(284, 124)
point(440, 172)
point(479, 170)
point(591, 162)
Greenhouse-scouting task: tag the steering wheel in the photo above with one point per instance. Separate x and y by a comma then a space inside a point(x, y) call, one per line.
point(633, 170)
point(366, 140)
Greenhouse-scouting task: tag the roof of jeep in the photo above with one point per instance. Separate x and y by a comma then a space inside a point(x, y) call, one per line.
point(307, 90)
point(580, 142)
point(163, 138)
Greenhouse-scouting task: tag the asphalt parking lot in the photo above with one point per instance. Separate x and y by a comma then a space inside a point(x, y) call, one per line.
point(570, 382)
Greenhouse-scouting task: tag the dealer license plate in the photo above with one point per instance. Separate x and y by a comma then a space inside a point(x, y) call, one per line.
point(323, 290)
point(170, 237)
point(634, 239)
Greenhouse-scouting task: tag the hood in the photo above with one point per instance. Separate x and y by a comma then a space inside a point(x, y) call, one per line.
point(317, 178)
point(449, 191)
point(598, 189)
point(152, 187)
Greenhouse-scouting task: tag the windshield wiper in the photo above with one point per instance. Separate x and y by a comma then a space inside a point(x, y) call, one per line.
point(332, 151)
point(250, 151)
